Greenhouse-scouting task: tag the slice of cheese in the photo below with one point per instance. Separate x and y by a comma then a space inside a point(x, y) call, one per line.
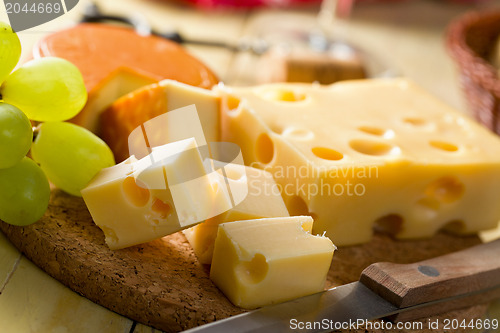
point(263, 199)
point(368, 153)
point(134, 109)
point(137, 201)
point(115, 61)
point(271, 260)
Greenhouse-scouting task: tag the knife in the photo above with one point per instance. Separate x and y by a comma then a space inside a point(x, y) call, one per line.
point(93, 14)
point(385, 290)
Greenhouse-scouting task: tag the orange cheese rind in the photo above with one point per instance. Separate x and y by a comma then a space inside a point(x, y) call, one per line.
point(116, 60)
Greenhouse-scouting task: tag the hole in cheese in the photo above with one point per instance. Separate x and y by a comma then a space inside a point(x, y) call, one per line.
point(415, 121)
point(161, 208)
point(253, 271)
point(429, 203)
point(306, 226)
point(454, 226)
point(391, 224)
point(232, 103)
point(446, 189)
point(297, 206)
point(327, 153)
point(377, 131)
point(110, 235)
point(375, 148)
point(264, 148)
point(282, 95)
point(134, 193)
point(442, 145)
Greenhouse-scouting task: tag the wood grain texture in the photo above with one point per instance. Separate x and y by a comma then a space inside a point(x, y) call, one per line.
point(455, 274)
point(32, 301)
point(9, 257)
point(161, 284)
point(459, 273)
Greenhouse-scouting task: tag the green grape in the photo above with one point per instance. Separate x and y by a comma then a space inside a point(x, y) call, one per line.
point(70, 155)
point(15, 135)
point(24, 194)
point(46, 89)
point(10, 50)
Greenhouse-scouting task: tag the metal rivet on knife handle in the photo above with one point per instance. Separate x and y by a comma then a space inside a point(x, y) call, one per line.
point(428, 270)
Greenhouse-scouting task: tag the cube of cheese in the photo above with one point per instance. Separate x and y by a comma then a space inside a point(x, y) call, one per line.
point(263, 199)
point(270, 260)
point(368, 153)
point(138, 201)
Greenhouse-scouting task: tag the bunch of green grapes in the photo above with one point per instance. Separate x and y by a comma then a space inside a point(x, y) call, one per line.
point(47, 90)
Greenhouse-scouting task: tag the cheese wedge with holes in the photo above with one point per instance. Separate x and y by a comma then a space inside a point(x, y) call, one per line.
point(137, 201)
point(116, 60)
point(363, 154)
point(263, 199)
point(271, 260)
point(134, 109)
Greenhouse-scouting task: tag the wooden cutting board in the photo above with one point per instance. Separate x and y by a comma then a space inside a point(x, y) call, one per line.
point(161, 283)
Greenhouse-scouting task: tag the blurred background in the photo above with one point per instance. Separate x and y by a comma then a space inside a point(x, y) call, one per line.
point(403, 37)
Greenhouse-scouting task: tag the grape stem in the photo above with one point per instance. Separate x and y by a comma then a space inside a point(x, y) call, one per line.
point(36, 130)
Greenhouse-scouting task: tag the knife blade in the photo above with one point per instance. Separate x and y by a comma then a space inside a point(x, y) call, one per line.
point(385, 290)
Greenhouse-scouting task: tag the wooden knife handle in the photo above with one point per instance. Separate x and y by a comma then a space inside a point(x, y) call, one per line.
point(468, 271)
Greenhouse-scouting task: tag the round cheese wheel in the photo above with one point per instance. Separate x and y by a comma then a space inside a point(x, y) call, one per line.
point(100, 49)
point(116, 60)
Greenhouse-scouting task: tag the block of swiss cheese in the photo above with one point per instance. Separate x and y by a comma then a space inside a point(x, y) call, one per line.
point(270, 260)
point(137, 201)
point(263, 199)
point(360, 154)
point(116, 60)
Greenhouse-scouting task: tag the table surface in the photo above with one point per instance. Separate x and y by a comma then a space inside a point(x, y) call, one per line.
point(407, 35)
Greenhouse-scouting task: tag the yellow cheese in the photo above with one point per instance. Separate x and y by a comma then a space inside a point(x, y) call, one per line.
point(180, 94)
point(368, 153)
point(263, 199)
point(137, 201)
point(270, 260)
point(138, 107)
point(119, 83)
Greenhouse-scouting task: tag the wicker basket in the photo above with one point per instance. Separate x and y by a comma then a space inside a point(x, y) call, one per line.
point(470, 41)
